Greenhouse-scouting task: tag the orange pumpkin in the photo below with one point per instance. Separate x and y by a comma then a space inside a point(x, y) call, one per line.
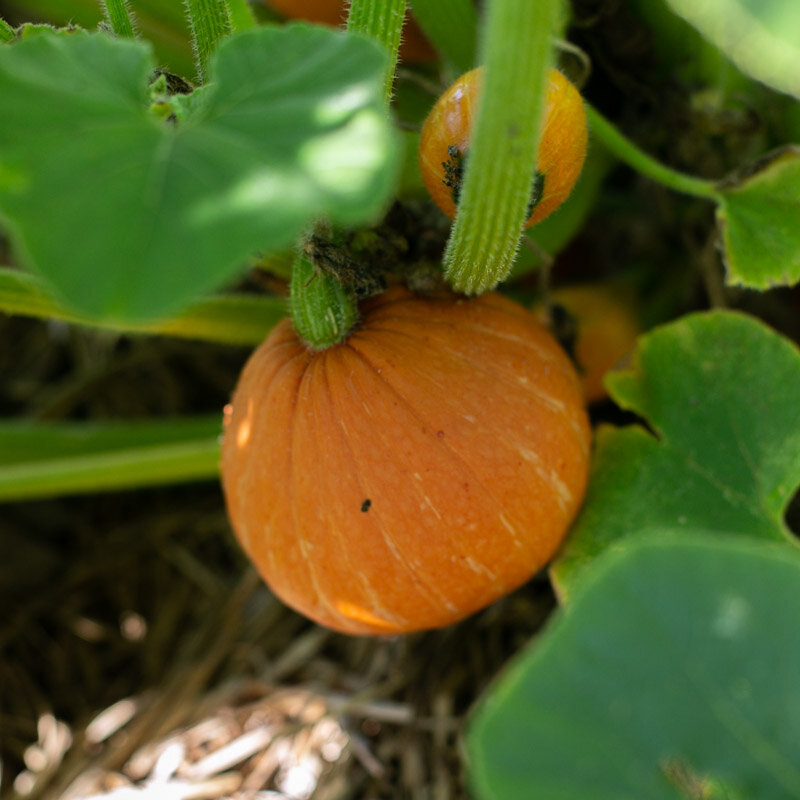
point(444, 143)
point(605, 326)
point(414, 473)
point(414, 47)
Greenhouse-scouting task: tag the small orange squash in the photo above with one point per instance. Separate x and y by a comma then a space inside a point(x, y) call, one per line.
point(447, 130)
point(605, 325)
point(414, 473)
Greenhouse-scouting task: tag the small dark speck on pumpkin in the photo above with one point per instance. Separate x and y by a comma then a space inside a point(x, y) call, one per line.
point(440, 434)
point(365, 505)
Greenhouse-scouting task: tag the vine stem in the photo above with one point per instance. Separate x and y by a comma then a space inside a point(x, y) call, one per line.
point(210, 22)
point(119, 18)
point(501, 167)
point(630, 154)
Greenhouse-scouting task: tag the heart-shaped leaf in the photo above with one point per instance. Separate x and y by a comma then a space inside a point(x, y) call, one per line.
point(672, 675)
point(757, 214)
point(131, 217)
point(720, 392)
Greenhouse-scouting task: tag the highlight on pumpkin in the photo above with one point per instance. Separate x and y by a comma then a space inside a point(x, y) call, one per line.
point(461, 422)
point(445, 138)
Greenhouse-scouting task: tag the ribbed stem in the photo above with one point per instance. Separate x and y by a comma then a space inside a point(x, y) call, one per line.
point(119, 18)
point(323, 310)
point(382, 22)
point(504, 143)
point(209, 21)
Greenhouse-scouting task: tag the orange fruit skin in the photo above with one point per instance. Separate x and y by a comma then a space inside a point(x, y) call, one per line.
point(608, 326)
point(562, 148)
point(414, 47)
point(413, 474)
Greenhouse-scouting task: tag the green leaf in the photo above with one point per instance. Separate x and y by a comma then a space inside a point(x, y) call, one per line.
point(237, 319)
point(6, 32)
point(672, 675)
point(758, 215)
point(720, 392)
point(40, 460)
point(679, 51)
point(130, 218)
point(762, 37)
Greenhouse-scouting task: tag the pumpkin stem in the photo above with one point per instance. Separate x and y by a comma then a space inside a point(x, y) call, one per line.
point(323, 310)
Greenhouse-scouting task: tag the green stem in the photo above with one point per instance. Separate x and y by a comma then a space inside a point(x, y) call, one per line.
point(235, 319)
point(6, 31)
point(504, 143)
point(382, 22)
point(209, 22)
point(452, 25)
point(119, 18)
point(323, 310)
point(241, 15)
point(628, 152)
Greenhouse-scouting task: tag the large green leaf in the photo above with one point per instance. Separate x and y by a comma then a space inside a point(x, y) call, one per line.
point(720, 392)
point(672, 675)
point(762, 37)
point(757, 214)
point(680, 51)
point(131, 218)
point(237, 319)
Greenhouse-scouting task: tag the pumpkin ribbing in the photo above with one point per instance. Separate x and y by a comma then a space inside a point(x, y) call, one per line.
point(460, 421)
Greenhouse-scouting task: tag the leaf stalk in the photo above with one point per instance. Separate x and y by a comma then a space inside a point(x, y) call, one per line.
point(119, 18)
point(498, 179)
point(210, 22)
